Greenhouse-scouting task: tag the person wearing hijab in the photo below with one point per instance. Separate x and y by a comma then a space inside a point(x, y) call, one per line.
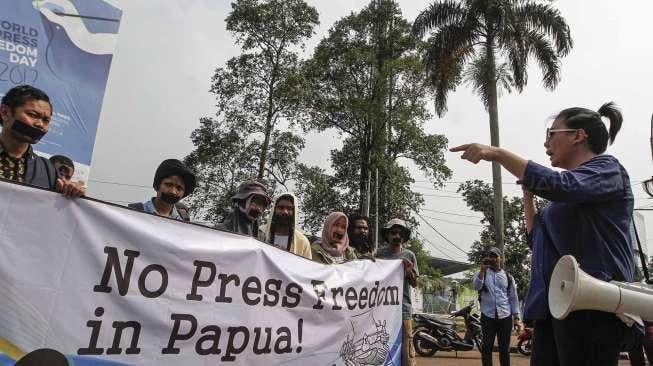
point(333, 247)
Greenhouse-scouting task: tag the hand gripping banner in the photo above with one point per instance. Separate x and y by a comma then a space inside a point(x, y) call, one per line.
point(83, 282)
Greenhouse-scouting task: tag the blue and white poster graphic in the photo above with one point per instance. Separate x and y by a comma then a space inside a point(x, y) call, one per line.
point(65, 48)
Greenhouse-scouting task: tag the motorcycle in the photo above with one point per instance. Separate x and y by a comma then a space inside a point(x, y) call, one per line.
point(432, 334)
point(524, 342)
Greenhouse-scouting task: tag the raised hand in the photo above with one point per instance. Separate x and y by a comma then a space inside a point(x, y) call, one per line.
point(476, 152)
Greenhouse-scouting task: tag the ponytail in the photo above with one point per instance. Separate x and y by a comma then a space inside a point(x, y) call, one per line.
point(598, 135)
point(612, 113)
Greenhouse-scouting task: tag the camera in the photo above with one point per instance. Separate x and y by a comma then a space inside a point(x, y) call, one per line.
point(487, 261)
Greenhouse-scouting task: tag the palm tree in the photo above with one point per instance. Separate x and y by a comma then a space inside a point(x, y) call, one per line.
point(488, 44)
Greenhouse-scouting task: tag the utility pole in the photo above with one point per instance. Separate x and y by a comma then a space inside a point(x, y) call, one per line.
point(366, 210)
point(376, 212)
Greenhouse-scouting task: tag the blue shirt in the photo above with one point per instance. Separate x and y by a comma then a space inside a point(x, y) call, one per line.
point(498, 299)
point(148, 206)
point(588, 217)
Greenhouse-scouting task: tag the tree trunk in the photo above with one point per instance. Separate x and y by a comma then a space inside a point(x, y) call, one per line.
point(264, 148)
point(364, 167)
point(269, 125)
point(493, 111)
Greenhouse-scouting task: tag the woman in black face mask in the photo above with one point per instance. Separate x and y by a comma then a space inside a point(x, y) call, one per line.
point(172, 182)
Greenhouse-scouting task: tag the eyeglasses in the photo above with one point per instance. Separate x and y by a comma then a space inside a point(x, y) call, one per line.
point(551, 131)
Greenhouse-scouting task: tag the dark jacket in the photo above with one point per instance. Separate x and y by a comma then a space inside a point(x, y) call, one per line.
point(39, 171)
point(237, 222)
point(588, 217)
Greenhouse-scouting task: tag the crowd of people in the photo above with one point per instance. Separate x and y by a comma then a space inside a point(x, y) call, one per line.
point(588, 216)
point(25, 114)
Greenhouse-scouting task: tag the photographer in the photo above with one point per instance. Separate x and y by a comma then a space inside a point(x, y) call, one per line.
point(499, 305)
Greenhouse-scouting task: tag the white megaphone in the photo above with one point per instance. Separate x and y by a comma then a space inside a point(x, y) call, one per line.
point(572, 289)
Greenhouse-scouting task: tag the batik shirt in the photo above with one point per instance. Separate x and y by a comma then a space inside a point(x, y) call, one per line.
point(12, 168)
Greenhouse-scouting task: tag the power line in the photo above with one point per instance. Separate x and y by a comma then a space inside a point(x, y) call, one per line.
point(452, 213)
point(433, 246)
point(454, 222)
point(118, 184)
point(439, 233)
point(462, 182)
point(440, 196)
point(436, 190)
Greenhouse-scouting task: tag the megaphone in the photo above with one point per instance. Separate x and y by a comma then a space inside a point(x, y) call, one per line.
point(572, 289)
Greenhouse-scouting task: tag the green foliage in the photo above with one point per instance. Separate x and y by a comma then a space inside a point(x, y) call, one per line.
point(365, 81)
point(487, 40)
point(478, 196)
point(253, 92)
point(488, 44)
point(319, 196)
point(423, 260)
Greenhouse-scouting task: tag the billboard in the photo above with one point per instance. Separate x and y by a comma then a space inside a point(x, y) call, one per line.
point(65, 48)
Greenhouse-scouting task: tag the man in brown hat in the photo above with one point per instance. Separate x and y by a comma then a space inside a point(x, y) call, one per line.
point(249, 202)
point(396, 234)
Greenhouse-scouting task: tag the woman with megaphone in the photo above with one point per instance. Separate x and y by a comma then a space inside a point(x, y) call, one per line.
point(588, 216)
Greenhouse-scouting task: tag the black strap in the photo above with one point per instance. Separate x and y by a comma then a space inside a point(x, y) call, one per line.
point(641, 254)
point(182, 211)
point(511, 282)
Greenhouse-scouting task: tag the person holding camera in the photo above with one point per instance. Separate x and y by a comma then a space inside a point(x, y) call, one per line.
point(499, 306)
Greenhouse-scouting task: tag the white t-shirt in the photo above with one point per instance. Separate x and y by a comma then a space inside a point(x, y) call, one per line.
point(281, 241)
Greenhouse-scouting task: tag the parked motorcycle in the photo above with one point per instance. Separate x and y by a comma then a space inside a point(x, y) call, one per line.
point(524, 342)
point(432, 334)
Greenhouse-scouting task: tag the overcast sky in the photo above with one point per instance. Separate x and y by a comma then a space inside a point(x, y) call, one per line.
point(168, 50)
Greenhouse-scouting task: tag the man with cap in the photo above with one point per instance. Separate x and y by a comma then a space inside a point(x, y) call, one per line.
point(25, 114)
point(249, 202)
point(396, 233)
point(172, 182)
point(499, 306)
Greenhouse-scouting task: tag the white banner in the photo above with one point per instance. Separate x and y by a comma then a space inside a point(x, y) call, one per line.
point(103, 285)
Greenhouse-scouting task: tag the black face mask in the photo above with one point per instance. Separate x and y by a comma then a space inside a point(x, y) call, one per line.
point(169, 199)
point(360, 242)
point(283, 220)
point(27, 130)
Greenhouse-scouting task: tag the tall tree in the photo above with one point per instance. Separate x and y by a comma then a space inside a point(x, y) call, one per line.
point(478, 196)
point(365, 81)
point(270, 28)
point(254, 92)
point(488, 43)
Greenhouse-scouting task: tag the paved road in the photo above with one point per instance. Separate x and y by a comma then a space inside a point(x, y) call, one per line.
point(473, 358)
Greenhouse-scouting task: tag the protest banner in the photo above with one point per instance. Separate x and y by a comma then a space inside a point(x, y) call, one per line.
point(99, 284)
point(65, 48)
